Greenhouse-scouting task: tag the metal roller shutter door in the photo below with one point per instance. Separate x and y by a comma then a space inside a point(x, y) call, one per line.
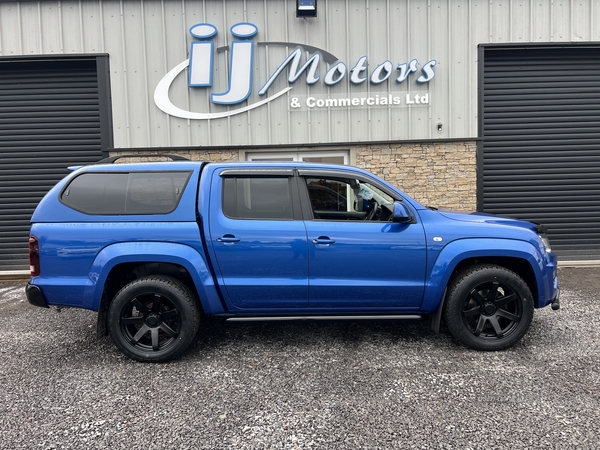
point(540, 125)
point(50, 118)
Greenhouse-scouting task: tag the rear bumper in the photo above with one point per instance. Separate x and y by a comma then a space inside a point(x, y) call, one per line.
point(35, 296)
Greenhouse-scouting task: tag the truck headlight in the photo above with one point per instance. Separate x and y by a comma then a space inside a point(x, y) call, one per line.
point(546, 241)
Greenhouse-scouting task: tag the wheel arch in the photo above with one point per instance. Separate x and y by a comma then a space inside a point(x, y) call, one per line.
point(518, 256)
point(119, 264)
point(520, 266)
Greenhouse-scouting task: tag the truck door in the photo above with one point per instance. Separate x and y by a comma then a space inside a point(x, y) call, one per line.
point(358, 257)
point(258, 239)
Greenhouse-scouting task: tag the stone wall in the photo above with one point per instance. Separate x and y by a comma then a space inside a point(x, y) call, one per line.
point(192, 154)
point(440, 174)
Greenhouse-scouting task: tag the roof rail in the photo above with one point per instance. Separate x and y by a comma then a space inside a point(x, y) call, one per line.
point(112, 159)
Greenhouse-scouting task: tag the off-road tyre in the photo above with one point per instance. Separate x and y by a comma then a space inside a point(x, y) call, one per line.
point(153, 319)
point(488, 307)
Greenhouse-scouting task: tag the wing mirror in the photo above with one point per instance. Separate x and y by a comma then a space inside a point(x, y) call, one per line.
point(401, 213)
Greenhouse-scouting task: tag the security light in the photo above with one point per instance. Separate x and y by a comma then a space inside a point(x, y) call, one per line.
point(306, 8)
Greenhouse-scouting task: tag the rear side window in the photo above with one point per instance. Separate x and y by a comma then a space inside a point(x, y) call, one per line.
point(257, 198)
point(125, 193)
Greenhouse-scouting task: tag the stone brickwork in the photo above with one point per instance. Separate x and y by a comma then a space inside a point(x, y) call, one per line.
point(194, 155)
point(440, 174)
point(435, 174)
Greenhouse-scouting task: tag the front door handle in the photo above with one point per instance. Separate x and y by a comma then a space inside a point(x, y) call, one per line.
point(228, 239)
point(323, 240)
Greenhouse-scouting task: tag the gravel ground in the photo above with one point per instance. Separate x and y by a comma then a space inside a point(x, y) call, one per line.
point(303, 385)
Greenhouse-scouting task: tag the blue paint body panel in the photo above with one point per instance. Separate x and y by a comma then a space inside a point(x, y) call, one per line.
point(300, 265)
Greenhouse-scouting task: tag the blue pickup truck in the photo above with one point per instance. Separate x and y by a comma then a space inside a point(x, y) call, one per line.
point(155, 246)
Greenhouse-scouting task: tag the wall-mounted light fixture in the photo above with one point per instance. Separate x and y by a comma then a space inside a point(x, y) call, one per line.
point(306, 8)
point(440, 125)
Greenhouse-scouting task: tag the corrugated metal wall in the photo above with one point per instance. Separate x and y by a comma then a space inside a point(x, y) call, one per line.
point(145, 39)
point(541, 141)
point(50, 118)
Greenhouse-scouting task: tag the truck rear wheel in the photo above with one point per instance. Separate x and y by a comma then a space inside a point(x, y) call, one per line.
point(153, 319)
point(488, 307)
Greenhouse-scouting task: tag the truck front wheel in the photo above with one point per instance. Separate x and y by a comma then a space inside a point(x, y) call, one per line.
point(153, 319)
point(488, 307)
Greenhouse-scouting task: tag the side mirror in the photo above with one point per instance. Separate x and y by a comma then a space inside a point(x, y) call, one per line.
point(401, 213)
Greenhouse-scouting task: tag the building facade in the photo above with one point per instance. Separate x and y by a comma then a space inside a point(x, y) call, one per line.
point(489, 105)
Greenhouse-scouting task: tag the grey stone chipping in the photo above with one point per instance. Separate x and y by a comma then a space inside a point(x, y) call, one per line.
point(346, 385)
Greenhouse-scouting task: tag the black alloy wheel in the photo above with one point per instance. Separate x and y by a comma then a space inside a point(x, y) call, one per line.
point(153, 319)
point(488, 308)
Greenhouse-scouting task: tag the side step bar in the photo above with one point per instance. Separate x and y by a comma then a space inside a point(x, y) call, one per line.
point(303, 318)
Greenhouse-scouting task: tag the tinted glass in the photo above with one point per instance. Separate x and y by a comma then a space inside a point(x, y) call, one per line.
point(257, 198)
point(346, 199)
point(125, 193)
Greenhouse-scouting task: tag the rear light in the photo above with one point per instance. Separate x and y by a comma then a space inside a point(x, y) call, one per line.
point(34, 256)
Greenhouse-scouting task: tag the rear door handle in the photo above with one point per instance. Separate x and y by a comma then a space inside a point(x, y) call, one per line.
point(323, 240)
point(228, 239)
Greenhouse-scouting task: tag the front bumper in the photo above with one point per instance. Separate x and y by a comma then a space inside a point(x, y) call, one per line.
point(35, 296)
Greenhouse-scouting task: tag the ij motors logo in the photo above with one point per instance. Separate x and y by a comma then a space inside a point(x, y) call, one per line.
point(242, 62)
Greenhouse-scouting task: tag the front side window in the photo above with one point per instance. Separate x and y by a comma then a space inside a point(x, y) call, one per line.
point(257, 198)
point(347, 199)
point(130, 193)
point(330, 195)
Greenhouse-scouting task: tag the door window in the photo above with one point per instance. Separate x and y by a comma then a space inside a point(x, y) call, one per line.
point(257, 198)
point(347, 199)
